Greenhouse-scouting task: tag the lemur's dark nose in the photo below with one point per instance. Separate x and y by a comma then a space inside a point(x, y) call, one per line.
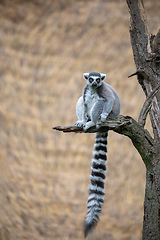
point(94, 84)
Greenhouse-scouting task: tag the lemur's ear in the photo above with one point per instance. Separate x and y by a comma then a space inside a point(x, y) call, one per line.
point(103, 76)
point(85, 76)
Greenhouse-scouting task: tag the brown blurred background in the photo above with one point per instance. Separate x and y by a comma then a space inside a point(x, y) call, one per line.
point(45, 47)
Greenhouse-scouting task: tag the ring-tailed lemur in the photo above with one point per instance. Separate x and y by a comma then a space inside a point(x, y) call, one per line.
point(99, 101)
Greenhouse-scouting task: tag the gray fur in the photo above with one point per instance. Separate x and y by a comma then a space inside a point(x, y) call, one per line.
point(99, 101)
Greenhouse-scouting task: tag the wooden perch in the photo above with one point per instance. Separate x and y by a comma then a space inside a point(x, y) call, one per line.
point(68, 129)
point(110, 124)
point(124, 125)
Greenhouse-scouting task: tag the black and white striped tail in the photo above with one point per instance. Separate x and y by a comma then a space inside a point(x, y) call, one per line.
point(97, 177)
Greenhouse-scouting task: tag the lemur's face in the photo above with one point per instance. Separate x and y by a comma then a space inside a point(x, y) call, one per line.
point(94, 79)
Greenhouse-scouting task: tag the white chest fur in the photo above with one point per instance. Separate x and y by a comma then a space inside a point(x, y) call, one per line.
point(91, 97)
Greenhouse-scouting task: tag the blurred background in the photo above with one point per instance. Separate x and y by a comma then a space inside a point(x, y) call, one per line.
point(45, 47)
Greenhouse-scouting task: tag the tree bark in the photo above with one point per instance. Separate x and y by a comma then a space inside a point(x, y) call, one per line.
point(146, 51)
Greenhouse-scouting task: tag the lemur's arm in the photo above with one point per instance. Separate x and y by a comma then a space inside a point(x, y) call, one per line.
point(82, 112)
point(85, 117)
point(85, 109)
point(108, 106)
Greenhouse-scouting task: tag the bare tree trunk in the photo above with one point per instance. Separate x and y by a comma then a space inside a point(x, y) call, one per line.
point(146, 51)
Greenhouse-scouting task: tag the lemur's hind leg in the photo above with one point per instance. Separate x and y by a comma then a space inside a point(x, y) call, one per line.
point(95, 113)
point(79, 111)
point(79, 108)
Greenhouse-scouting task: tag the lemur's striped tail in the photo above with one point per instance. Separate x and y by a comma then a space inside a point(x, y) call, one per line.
point(96, 188)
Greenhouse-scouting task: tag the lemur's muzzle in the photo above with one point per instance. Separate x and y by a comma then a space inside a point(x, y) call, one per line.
point(94, 84)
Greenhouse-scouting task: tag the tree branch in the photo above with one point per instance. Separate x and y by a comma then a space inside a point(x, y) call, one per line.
point(146, 107)
point(110, 124)
point(127, 126)
point(68, 129)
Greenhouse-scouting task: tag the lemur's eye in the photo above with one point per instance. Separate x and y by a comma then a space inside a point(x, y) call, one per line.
point(98, 80)
point(91, 80)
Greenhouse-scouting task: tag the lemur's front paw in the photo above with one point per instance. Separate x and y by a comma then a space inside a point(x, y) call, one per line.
point(80, 124)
